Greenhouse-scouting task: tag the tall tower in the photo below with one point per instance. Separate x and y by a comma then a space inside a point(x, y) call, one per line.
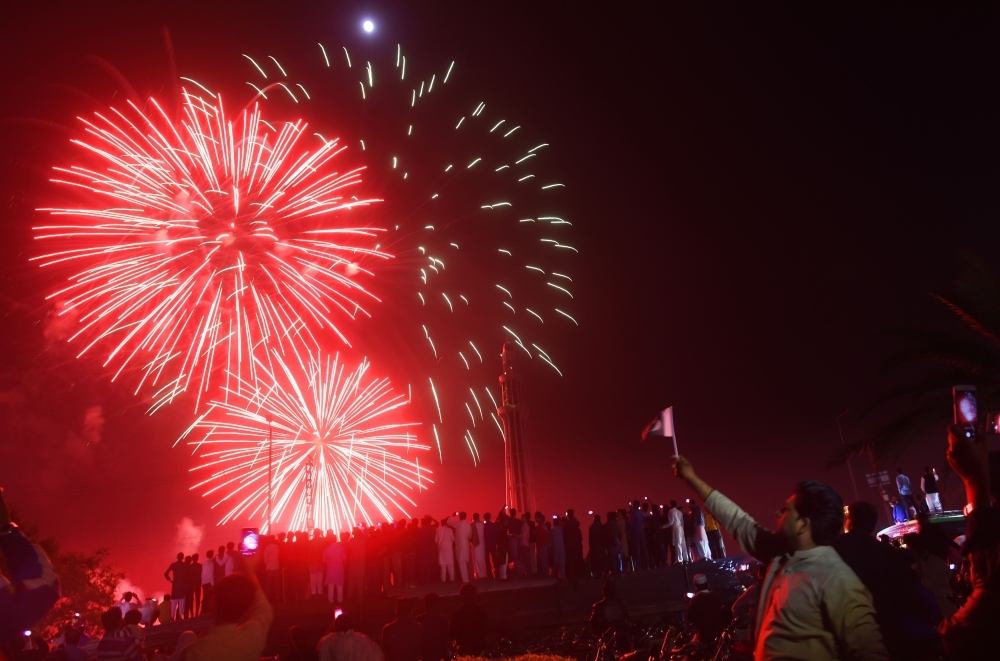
point(511, 411)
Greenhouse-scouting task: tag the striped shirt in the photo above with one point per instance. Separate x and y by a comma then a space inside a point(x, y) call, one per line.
point(119, 646)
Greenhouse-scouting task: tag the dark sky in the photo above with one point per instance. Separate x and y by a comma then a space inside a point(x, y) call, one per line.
point(757, 192)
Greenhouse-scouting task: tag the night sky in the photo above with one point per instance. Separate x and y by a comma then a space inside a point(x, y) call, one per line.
point(757, 192)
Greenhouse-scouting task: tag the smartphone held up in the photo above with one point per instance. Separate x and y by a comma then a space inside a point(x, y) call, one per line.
point(966, 410)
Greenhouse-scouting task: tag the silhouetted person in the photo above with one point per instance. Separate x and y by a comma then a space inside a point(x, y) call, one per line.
point(707, 612)
point(192, 603)
point(436, 644)
point(598, 553)
point(178, 574)
point(887, 575)
point(573, 538)
point(609, 611)
point(612, 544)
point(242, 619)
point(402, 638)
point(207, 581)
point(906, 494)
point(929, 485)
point(469, 623)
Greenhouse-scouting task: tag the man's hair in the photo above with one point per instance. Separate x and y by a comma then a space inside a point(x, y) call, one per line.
point(344, 622)
point(404, 606)
point(864, 516)
point(231, 545)
point(180, 556)
point(487, 516)
point(194, 558)
point(127, 596)
point(72, 637)
point(461, 516)
point(133, 617)
point(824, 509)
point(927, 469)
point(609, 589)
point(468, 593)
point(209, 553)
point(899, 470)
point(431, 601)
point(111, 619)
point(673, 503)
point(233, 597)
point(513, 512)
point(166, 597)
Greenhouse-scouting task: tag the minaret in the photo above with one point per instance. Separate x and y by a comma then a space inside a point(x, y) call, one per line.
point(512, 413)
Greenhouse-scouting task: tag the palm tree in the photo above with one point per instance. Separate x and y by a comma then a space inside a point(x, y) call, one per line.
point(933, 361)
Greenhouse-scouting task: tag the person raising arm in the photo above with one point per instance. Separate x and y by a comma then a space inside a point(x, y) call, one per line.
point(812, 606)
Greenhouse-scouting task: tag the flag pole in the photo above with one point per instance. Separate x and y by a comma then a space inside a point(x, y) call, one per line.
point(673, 428)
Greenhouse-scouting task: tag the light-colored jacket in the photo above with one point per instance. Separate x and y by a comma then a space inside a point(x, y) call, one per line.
point(235, 642)
point(812, 605)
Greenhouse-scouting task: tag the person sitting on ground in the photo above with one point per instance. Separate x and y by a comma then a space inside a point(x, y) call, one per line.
point(166, 607)
point(970, 634)
point(71, 650)
point(117, 643)
point(346, 644)
point(131, 625)
point(402, 637)
point(812, 605)
point(469, 623)
point(609, 611)
point(30, 586)
point(243, 616)
point(706, 611)
point(435, 644)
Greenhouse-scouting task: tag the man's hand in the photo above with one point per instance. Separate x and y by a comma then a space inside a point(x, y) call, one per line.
point(683, 469)
point(970, 459)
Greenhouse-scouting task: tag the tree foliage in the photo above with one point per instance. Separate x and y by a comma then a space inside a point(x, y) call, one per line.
point(87, 581)
point(929, 361)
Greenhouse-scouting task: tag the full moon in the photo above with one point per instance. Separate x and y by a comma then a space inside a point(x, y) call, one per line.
point(368, 26)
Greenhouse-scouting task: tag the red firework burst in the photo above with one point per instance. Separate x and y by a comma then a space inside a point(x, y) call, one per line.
point(201, 239)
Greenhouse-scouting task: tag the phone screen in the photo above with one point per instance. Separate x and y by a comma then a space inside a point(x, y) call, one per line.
point(966, 413)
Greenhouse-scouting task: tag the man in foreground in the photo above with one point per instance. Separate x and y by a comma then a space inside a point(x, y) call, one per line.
point(812, 606)
point(243, 616)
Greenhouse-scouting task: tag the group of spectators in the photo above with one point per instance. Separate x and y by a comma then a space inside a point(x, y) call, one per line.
point(419, 552)
point(907, 506)
point(192, 583)
point(649, 535)
point(822, 593)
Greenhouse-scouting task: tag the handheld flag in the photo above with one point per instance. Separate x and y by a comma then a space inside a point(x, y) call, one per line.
point(663, 425)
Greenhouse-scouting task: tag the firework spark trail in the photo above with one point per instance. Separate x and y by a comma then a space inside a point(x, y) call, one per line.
point(322, 412)
point(481, 246)
point(202, 239)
